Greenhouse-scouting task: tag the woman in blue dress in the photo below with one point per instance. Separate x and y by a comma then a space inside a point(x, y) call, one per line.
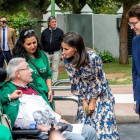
point(89, 83)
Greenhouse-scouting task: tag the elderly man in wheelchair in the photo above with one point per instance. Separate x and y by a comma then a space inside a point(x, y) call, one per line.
point(28, 108)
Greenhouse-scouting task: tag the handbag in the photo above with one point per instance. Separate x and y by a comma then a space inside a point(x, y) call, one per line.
point(5, 120)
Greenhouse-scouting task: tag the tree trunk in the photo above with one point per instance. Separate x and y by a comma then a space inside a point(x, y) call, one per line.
point(35, 12)
point(123, 51)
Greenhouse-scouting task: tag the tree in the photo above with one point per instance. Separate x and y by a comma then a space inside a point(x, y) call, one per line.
point(36, 8)
point(123, 56)
point(98, 6)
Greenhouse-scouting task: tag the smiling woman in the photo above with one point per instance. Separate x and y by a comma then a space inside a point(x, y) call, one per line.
point(28, 47)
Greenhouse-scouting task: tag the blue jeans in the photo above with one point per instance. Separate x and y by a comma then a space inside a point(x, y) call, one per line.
point(88, 133)
point(7, 55)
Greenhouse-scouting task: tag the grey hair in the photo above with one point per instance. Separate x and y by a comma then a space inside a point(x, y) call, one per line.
point(13, 66)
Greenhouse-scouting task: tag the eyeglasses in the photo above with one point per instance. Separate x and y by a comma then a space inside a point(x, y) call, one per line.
point(28, 68)
point(29, 31)
point(133, 24)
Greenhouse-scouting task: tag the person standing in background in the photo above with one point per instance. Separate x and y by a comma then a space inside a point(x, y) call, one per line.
point(7, 41)
point(51, 42)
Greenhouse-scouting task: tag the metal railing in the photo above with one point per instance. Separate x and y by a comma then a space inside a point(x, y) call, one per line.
point(55, 87)
point(62, 81)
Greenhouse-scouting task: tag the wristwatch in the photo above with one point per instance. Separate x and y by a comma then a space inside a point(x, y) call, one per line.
point(9, 97)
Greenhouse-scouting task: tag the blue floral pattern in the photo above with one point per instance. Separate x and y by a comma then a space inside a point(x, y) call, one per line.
point(90, 82)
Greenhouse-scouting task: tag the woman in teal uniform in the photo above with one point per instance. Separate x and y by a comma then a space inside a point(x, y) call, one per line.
point(28, 47)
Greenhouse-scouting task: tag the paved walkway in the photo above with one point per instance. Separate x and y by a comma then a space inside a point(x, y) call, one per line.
point(129, 131)
point(123, 107)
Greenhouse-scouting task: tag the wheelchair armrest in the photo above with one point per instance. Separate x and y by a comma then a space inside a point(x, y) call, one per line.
point(26, 132)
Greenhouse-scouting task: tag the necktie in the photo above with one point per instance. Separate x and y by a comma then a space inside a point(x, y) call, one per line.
point(3, 39)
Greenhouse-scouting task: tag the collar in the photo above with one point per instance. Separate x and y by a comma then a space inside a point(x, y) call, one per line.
point(53, 29)
point(4, 28)
point(21, 86)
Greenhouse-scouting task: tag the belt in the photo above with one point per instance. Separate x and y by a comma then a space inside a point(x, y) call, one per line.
point(50, 52)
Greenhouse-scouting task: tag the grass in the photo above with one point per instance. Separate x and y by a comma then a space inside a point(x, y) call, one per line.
point(116, 68)
point(117, 74)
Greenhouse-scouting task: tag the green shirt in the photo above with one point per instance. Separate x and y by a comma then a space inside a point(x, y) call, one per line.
point(42, 64)
point(5, 133)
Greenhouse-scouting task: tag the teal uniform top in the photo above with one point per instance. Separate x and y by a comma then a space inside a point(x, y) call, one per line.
point(5, 133)
point(42, 64)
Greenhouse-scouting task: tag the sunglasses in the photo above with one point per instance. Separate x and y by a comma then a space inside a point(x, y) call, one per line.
point(29, 31)
point(50, 18)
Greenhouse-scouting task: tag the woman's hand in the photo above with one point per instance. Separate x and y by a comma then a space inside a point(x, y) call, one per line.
point(91, 106)
point(63, 121)
point(85, 106)
point(50, 96)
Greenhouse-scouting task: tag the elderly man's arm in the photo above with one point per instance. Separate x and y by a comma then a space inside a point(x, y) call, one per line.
point(22, 123)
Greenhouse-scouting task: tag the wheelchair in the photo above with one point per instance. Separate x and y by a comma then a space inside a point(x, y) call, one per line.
point(30, 134)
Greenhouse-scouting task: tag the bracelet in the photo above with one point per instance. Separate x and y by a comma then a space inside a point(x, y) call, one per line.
point(9, 97)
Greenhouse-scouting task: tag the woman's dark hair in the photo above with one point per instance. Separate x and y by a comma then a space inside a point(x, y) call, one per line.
point(134, 12)
point(75, 40)
point(19, 50)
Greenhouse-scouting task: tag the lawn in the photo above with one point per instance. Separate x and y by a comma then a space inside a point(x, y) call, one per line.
point(117, 74)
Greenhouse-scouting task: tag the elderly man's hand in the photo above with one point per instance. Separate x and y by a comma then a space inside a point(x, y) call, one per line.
point(47, 128)
point(16, 94)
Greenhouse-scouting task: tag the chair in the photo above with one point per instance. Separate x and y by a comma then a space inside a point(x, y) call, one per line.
point(3, 75)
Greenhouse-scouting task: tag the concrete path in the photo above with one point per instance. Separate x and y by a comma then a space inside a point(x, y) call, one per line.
point(129, 131)
point(123, 105)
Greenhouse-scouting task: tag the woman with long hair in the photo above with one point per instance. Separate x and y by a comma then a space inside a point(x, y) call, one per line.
point(89, 83)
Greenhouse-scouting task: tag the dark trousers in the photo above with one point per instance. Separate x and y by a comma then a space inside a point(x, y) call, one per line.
point(7, 55)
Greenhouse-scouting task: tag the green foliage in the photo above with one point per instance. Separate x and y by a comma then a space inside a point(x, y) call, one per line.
point(98, 6)
point(18, 18)
point(106, 56)
point(104, 7)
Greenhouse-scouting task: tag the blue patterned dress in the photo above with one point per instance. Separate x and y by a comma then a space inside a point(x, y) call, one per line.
point(90, 82)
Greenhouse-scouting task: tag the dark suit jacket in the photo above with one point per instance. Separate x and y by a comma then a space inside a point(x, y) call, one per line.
point(136, 70)
point(11, 38)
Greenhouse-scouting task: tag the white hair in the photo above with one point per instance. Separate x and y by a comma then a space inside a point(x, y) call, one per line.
point(13, 66)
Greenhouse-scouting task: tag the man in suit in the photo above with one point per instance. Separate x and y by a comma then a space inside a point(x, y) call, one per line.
point(7, 41)
point(134, 21)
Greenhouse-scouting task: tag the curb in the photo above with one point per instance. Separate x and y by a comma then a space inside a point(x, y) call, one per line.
point(118, 86)
point(121, 119)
